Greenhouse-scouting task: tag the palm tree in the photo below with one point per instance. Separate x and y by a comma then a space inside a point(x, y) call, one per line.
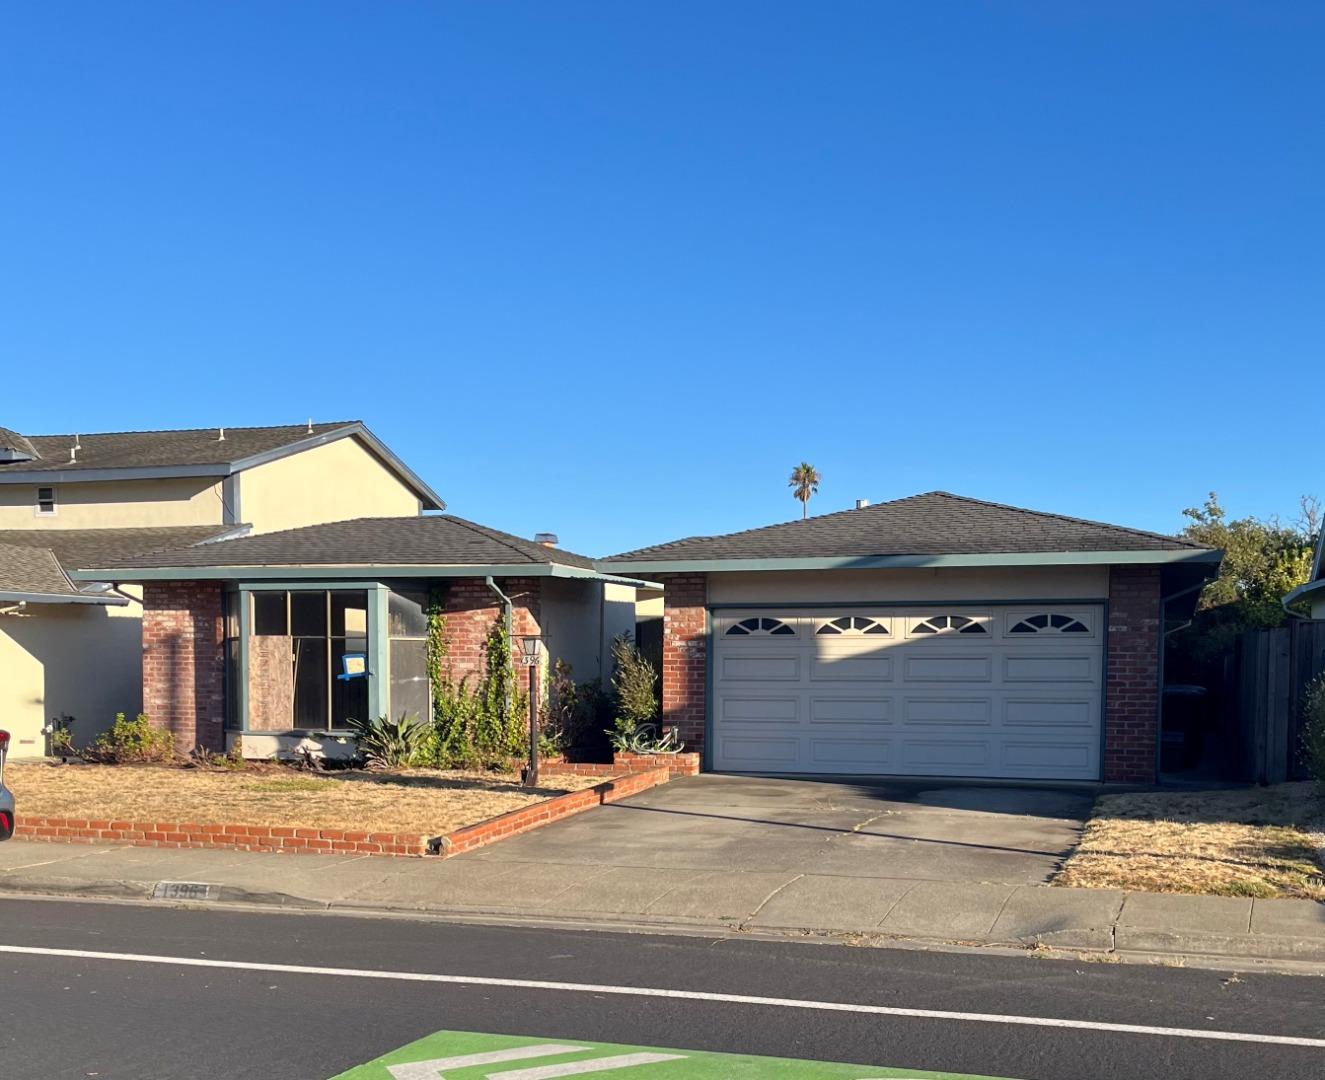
point(804, 482)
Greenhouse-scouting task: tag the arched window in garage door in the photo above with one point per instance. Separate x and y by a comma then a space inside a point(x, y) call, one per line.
point(761, 625)
point(853, 624)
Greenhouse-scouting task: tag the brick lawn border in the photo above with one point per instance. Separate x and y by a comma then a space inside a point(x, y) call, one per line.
point(290, 840)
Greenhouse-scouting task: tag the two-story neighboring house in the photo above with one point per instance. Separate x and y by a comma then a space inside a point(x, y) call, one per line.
point(73, 501)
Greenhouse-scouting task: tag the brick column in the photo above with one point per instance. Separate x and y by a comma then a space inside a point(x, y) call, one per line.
point(1131, 717)
point(471, 608)
point(684, 655)
point(184, 662)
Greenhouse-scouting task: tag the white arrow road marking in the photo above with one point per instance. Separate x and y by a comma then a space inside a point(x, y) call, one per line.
point(579, 1068)
point(432, 1070)
point(681, 995)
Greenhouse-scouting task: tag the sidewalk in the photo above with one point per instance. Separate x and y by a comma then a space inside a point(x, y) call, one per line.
point(930, 912)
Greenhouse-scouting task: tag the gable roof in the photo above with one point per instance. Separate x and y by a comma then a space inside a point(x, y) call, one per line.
point(78, 548)
point(28, 573)
point(440, 545)
point(35, 563)
point(119, 455)
point(930, 529)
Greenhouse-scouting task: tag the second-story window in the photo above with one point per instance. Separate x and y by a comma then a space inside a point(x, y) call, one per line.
point(46, 502)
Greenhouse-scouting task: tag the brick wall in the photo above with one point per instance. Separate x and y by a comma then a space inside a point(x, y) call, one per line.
point(684, 655)
point(1131, 717)
point(184, 663)
point(471, 608)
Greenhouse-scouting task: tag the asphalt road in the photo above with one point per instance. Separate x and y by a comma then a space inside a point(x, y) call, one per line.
point(78, 1016)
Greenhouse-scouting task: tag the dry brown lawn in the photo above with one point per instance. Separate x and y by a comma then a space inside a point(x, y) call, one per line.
point(425, 802)
point(1260, 842)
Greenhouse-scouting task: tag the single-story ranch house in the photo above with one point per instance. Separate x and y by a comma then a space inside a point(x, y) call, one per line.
point(934, 635)
point(223, 621)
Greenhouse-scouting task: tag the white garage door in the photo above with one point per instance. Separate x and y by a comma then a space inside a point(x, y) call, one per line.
point(925, 691)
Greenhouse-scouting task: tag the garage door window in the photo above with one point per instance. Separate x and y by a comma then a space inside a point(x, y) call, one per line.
point(939, 624)
point(853, 624)
point(772, 627)
point(1049, 624)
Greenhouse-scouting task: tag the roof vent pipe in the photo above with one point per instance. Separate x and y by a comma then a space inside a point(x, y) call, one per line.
point(73, 453)
point(221, 436)
point(78, 443)
point(548, 540)
point(862, 503)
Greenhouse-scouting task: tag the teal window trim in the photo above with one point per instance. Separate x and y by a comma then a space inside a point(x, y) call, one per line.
point(378, 654)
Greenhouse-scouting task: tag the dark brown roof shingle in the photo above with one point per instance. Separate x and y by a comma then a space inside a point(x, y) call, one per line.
point(431, 540)
point(935, 523)
point(78, 549)
point(159, 449)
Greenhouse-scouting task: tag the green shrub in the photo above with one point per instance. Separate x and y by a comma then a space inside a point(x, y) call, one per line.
point(570, 710)
point(634, 693)
point(133, 740)
point(1313, 731)
point(390, 743)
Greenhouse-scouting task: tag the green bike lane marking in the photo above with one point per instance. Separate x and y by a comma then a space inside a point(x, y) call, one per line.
point(468, 1055)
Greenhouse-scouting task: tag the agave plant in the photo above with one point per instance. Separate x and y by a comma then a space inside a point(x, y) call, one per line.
point(390, 743)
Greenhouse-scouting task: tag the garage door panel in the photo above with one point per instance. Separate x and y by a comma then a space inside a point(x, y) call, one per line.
point(1044, 758)
point(937, 756)
point(1046, 666)
point(753, 709)
point(761, 668)
point(851, 755)
point(922, 694)
point(853, 710)
point(947, 667)
point(755, 753)
point(940, 711)
point(1026, 712)
point(848, 667)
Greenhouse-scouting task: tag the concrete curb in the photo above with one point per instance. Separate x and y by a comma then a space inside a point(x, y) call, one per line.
point(1284, 952)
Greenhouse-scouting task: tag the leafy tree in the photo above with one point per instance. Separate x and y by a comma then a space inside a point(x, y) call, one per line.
point(1263, 560)
point(804, 482)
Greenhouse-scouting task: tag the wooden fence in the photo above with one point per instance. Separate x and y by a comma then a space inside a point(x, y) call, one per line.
point(1273, 669)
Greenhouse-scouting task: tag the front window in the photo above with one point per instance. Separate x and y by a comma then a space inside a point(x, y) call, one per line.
point(296, 651)
point(46, 502)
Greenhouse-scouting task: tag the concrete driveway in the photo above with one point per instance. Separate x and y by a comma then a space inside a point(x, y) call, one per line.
point(776, 852)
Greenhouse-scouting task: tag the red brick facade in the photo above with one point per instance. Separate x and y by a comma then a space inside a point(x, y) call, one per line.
point(684, 655)
point(184, 662)
point(1131, 683)
point(472, 608)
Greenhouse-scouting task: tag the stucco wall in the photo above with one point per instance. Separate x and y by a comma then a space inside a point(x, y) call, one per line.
point(333, 482)
point(122, 504)
point(580, 619)
point(66, 659)
point(955, 583)
point(1318, 609)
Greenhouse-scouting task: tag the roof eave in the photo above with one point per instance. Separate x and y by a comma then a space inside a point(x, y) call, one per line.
point(8, 597)
point(353, 572)
point(429, 498)
point(1302, 592)
point(880, 562)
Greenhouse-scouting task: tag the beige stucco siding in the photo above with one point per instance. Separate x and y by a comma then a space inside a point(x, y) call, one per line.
point(955, 583)
point(120, 504)
point(1318, 609)
point(580, 618)
point(74, 660)
point(333, 482)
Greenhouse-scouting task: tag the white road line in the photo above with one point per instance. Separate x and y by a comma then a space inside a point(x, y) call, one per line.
point(431, 1070)
point(580, 1068)
point(681, 995)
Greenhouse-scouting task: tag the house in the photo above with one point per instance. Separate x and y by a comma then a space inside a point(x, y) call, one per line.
point(934, 635)
point(223, 619)
point(1313, 592)
point(70, 501)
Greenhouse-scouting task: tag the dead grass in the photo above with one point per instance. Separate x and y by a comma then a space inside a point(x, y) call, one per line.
point(1244, 842)
point(425, 802)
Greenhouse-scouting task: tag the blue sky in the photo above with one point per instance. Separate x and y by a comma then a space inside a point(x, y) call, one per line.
point(612, 269)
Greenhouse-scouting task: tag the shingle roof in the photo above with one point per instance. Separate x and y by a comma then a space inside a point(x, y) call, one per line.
point(32, 570)
point(76, 549)
point(149, 449)
point(935, 523)
point(432, 540)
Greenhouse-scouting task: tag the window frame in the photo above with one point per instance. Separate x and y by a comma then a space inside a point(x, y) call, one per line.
point(39, 502)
